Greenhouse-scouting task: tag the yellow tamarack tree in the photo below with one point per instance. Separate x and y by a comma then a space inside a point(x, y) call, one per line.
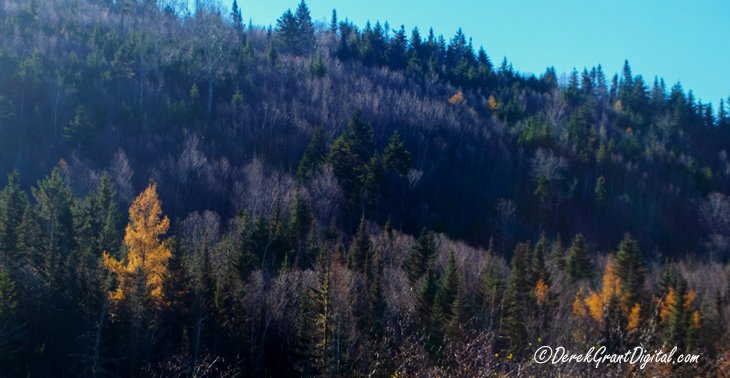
point(147, 254)
point(594, 304)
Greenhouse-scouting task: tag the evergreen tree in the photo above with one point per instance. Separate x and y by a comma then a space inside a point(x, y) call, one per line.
point(272, 53)
point(630, 270)
point(333, 22)
point(538, 268)
point(317, 67)
point(374, 316)
point(177, 295)
point(416, 43)
point(360, 137)
point(371, 182)
point(54, 204)
point(305, 349)
point(626, 84)
point(557, 256)
point(427, 294)
point(305, 29)
point(97, 222)
point(237, 18)
point(80, 130)
point(397, 51)
point(351, 158)
point(450, 312)
point(13, 202)
point(490, 291)
point(314, 154)
point(678, 314)
point(9, 330)
point(360, 248)
point(8, 300)
point(395, 156)
point(278, 244)
point(516, 306)
point(578, 264)
point(572, 92)
point(287, 32)
point(323, 318)
point(448, 286)
point(300, 222)
point(421, 256)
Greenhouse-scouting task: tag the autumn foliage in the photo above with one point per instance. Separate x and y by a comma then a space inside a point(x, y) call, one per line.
point(147, 254)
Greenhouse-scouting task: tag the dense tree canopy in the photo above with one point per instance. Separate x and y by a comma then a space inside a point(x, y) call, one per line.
point(329, 193)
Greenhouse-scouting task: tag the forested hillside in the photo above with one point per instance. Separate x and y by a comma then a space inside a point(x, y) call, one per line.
point(188, 194)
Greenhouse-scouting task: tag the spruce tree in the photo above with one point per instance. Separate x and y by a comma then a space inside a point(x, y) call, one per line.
point(300, 222)
point(426, 295)
point(323, 317)
point(517, 302)
point(397, 51)
point(287, 32)
point(420, 258)
point(396, 158)
point(490, 291)
point(630, 270)
point(305, 351)
point(578, 264)
point(80, 129)
point(448, 286)
point(54, 204)
point(333, 22)
point(374, 316)
point(538, 268)
point(345, 165)
point(351, 158)
point(305, 28)
point(9, 324)
point(317, 66)
point(360, 248)
point(314, 154)
point(237, 18)
point(459, 312)
point(13, 202)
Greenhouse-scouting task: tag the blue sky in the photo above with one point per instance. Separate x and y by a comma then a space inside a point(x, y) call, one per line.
point(686, 41)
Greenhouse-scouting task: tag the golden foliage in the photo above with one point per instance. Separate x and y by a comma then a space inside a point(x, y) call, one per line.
point(696, 320)
point(146, 253)
point(611, 282)
point(457, 98)
point(618, 106)
point(493, 104)
point(595, 302)
point(634, 317)
point(579, 308)
point(666, 308)
point(595, 306)
point(542, 290)
point(689, 298)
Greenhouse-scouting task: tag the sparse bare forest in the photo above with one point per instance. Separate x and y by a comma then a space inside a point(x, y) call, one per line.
point(185, 194)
